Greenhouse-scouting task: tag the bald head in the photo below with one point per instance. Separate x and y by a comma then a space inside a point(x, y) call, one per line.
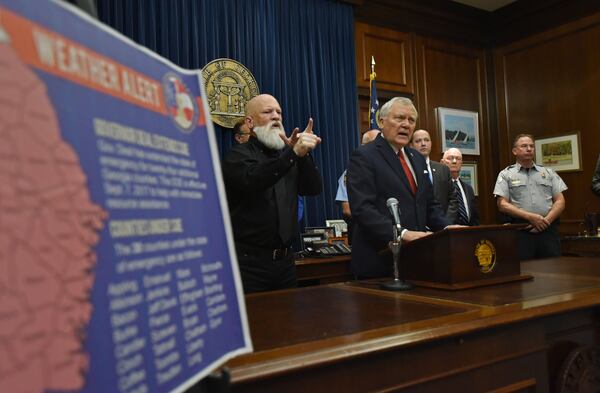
point(421, 141)
point(261, 110)
point(263, 118)
point(369, 136)
point(453, 159)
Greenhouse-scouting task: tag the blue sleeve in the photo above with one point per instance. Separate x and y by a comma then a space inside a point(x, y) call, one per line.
point(342, 192)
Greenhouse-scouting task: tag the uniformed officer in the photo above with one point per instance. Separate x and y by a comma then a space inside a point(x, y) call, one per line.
point(531, 193)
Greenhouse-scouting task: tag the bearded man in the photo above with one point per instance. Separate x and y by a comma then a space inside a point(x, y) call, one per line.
point(263, 179)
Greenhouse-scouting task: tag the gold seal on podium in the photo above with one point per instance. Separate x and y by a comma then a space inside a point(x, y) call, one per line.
point(229, 86)
point(485, 252)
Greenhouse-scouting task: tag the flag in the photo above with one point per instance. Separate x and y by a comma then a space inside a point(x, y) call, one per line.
point(374, 106)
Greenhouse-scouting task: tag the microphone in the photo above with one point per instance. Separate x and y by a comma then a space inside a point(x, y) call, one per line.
point(392, 204)
point(398, 284)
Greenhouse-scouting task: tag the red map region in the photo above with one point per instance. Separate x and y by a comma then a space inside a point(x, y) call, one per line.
point(48, 229)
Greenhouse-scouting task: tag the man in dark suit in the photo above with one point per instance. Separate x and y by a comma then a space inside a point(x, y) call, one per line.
point(439, 175)
point(387, 168)
point(470, 216)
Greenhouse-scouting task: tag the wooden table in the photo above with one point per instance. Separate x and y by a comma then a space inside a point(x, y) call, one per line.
point(353, 337)
point(581, 245)
point(316, 271)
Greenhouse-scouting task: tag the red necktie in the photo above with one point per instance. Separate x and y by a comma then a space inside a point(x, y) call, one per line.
point(407, 172)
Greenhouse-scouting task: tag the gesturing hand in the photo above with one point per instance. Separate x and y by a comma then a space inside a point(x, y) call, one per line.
point(302, 142)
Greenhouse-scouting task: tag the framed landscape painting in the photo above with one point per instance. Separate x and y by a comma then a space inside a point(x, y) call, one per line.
point(459, 129)
point(561, 153)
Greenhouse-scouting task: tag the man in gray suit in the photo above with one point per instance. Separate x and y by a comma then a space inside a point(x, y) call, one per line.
point(439, 176)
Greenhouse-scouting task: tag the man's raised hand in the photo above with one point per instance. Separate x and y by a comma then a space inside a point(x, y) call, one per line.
point(302, 142)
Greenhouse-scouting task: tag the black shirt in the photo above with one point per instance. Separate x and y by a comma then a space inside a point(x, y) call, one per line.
point(262, 190)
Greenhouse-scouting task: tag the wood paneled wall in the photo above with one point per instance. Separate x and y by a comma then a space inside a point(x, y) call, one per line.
point(451, 75)
point(393, 51)
point(442, 74)
point(499, 65)
point(549, 84)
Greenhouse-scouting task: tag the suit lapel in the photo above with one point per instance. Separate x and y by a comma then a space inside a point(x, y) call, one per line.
point(434, 170)
point(470, 196)
point(418, 170)
point(467, 194)
point(389, 156)
point(392, 159)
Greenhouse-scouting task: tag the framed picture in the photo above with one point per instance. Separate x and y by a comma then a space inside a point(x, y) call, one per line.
point(459, 129)
point(340, 226)
point(468, 174)
point(561, 153)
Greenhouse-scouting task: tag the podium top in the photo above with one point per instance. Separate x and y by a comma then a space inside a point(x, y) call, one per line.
point(478, 228)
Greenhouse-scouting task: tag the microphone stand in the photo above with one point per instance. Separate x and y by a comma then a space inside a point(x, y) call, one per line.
point(397, 284)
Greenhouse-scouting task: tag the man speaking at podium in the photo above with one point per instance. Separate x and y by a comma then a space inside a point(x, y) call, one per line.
point(388, 168)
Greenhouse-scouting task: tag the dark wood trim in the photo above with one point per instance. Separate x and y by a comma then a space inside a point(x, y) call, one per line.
point(526, 17)
point(354, 337)
point(492, 168)
point(434, 18)
point(455, 21)
point(393, 52)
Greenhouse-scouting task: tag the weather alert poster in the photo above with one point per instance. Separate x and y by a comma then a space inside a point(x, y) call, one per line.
point(117, 269)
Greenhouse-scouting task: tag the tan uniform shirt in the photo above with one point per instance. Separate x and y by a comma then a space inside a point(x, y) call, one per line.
point(531, 190)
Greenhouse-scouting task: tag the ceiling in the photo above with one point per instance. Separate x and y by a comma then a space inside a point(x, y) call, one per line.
point(487, 5)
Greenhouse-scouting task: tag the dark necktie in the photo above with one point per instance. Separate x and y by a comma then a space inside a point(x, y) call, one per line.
point(407, 172)
point(463, 218)
point(285, 221)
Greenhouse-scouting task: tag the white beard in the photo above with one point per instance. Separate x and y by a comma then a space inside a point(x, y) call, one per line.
point(269, 136)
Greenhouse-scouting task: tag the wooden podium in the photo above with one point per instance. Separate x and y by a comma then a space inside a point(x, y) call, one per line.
point(465, 257)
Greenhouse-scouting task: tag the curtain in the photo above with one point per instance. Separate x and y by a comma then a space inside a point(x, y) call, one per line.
point(300, 51)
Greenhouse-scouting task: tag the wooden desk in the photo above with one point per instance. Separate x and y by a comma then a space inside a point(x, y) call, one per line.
point(353, 337)
point(580, 245)
point(316, 271)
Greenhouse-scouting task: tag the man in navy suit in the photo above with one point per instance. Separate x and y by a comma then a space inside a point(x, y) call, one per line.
point(453, 159)
point(388, 168)
point(439, 175)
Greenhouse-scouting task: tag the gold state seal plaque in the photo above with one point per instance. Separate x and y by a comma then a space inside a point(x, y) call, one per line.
point(229, 86)
point(486, 256)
